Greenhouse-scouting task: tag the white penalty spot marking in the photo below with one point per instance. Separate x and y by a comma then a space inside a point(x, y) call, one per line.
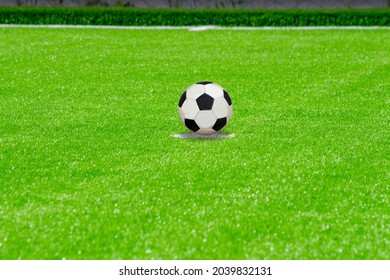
point(198, 136)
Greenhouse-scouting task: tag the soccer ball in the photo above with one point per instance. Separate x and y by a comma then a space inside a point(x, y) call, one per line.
point(205, 108)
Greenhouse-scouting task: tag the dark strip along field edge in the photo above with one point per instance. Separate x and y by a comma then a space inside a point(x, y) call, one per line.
point(175, 17)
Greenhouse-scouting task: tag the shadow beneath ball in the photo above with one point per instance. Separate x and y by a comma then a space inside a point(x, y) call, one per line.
point(198, 136)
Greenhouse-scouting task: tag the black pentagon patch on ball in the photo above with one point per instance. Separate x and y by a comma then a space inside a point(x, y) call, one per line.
point(227, 97)
point(220, 123)
point(182, 99)
point(205, 102)
point(191, 124)
point(204, 83)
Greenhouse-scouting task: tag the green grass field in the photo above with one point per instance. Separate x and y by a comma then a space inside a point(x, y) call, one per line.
point(89, 168)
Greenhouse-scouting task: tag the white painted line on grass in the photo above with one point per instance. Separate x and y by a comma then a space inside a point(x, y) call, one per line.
point(305, 28)
point(212, 27)
point(66, 26)
point(197, 136)
point(203, 28)
point(193, 28)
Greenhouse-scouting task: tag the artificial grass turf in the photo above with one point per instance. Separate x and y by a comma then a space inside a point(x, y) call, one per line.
point(89, 169)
